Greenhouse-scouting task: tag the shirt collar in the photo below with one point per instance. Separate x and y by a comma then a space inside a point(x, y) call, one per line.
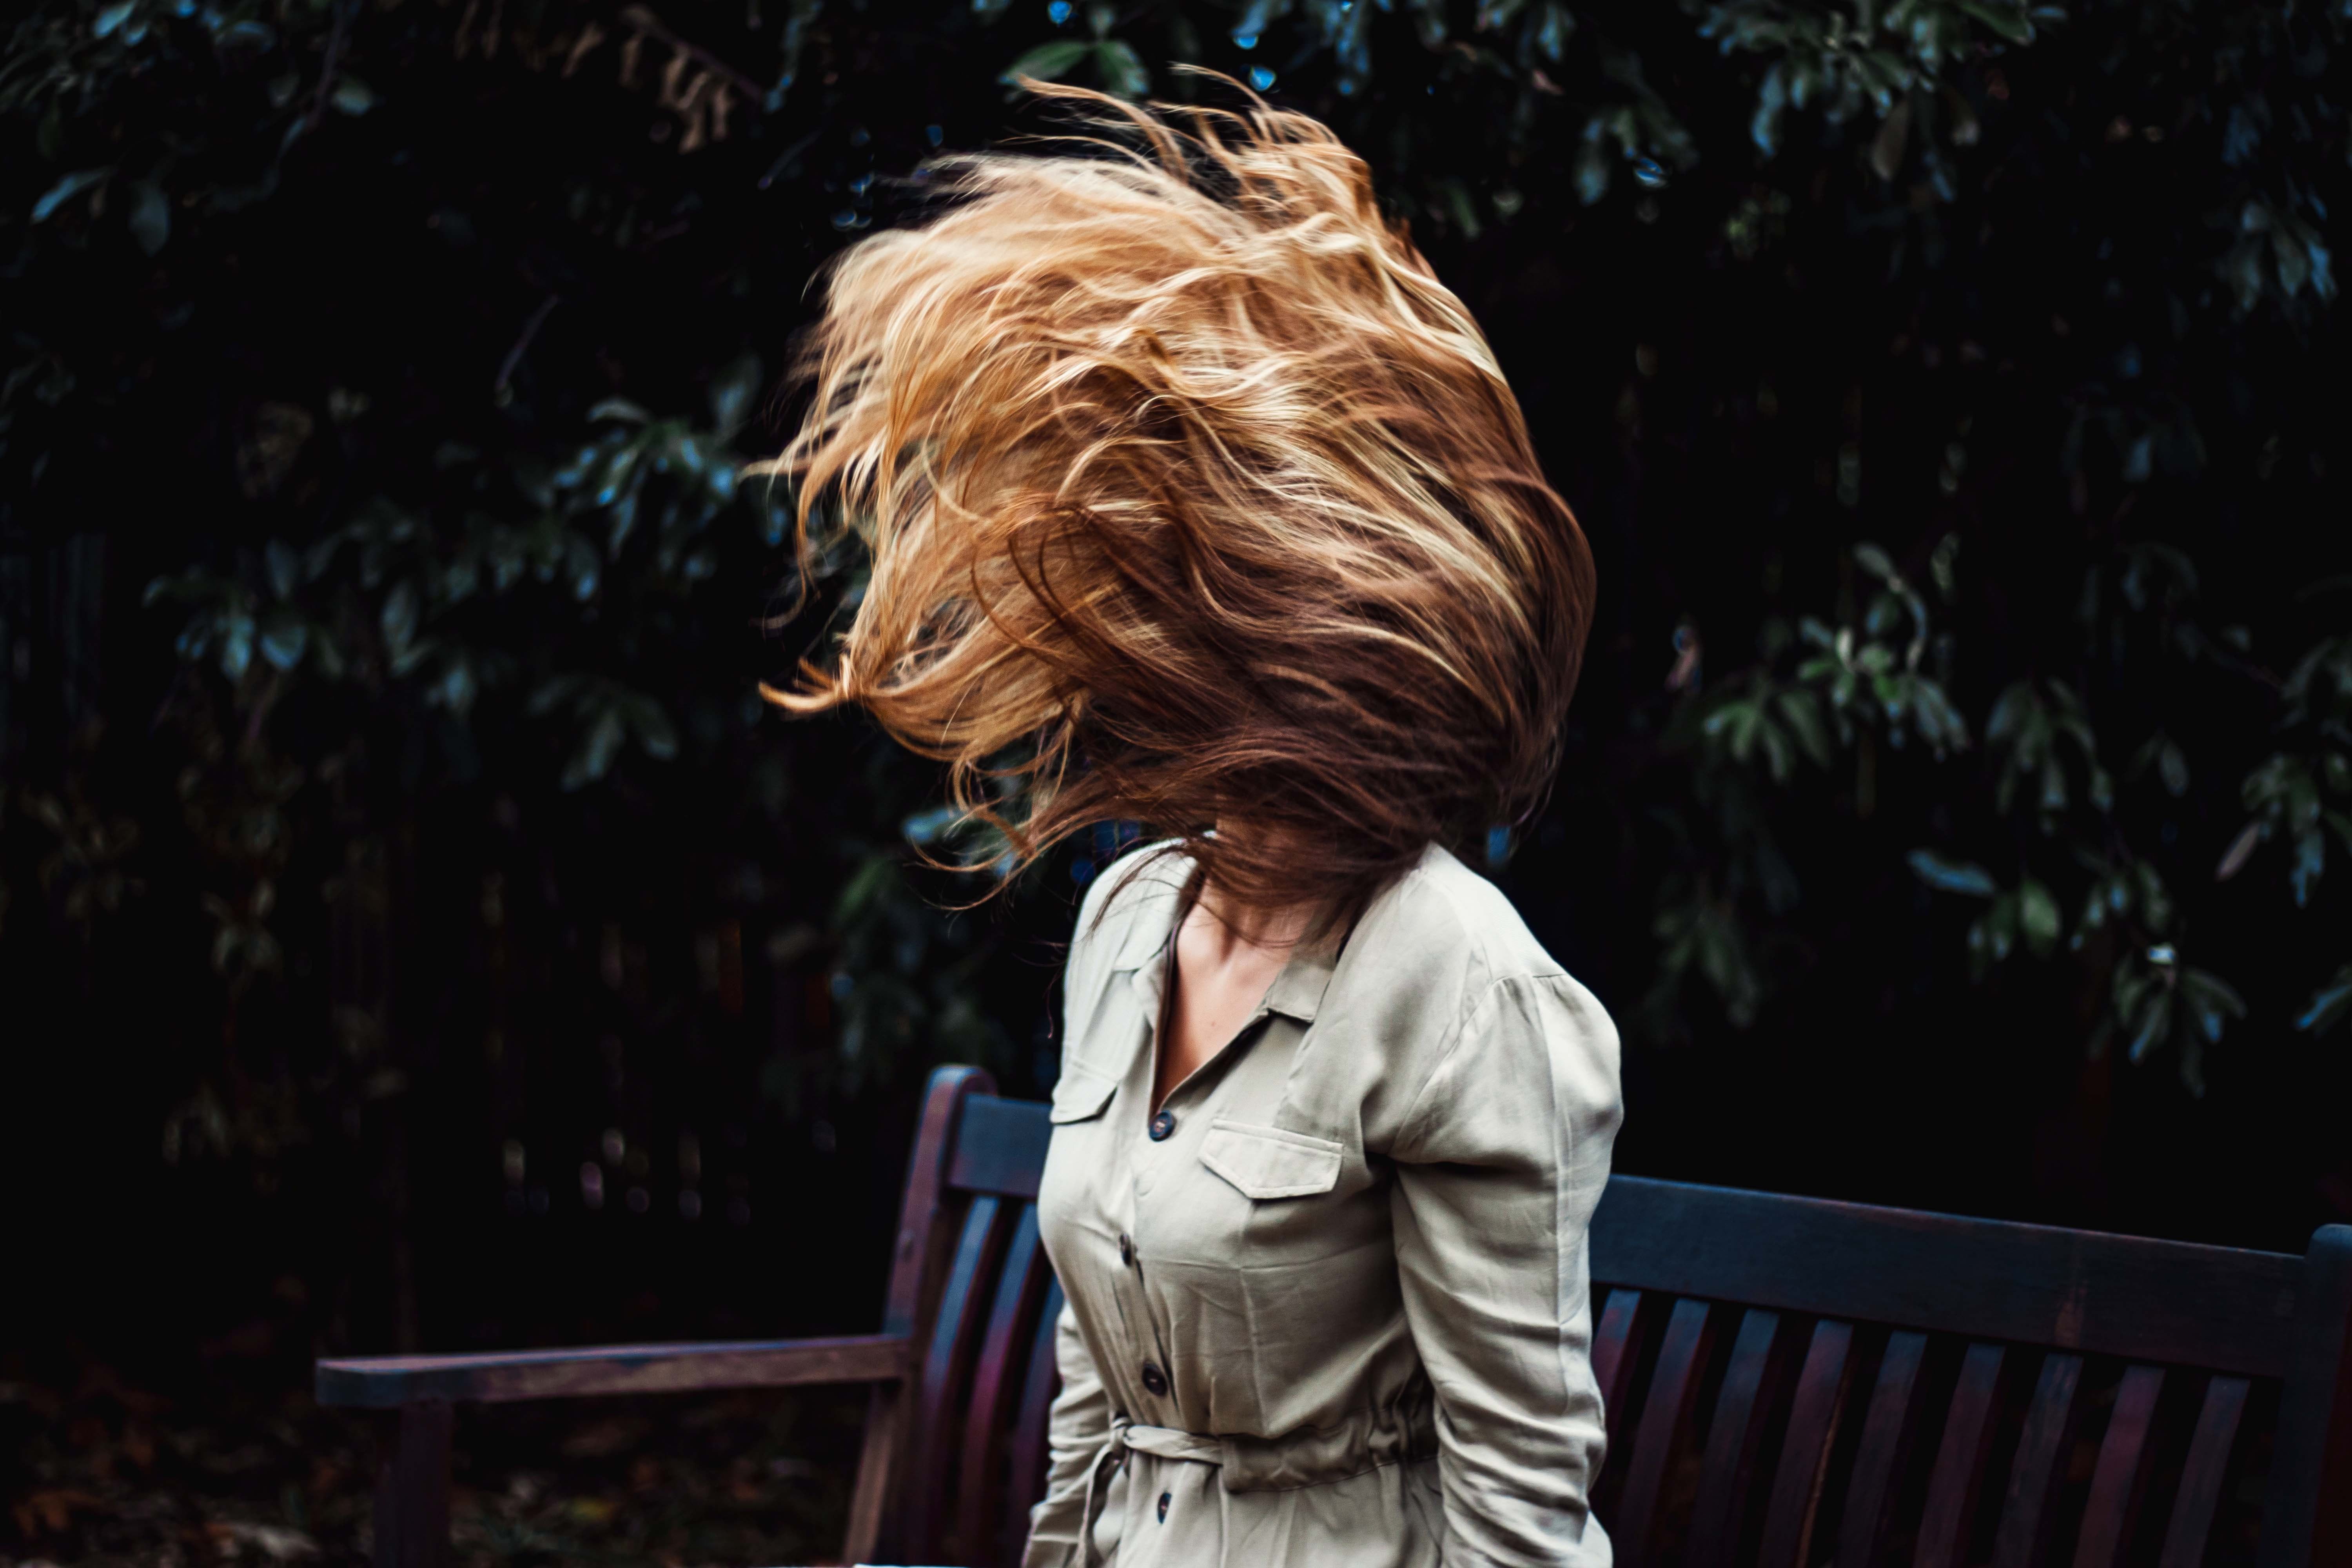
point(1297, 991)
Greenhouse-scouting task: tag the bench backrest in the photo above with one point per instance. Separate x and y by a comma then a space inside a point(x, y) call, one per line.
point(971, 1283)
point(1789, 1382)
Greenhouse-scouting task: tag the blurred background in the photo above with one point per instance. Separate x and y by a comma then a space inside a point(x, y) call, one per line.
point(415, 933)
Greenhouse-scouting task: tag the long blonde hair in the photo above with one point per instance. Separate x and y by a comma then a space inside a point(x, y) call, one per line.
point(1192, 497)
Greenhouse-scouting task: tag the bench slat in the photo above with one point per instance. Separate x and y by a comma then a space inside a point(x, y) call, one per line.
point(2041, 1462)
point(1614, 1353)
point(1666, 1418)
point(2222, 1308)
point(1886, 1441)
point(1804, 1452)
point(2202, 1475)
point(1031, 1433)
point(1957, 1478)
point(1020, 1287)
point(1742, 1412)
point(2121, 1479)
point(382, 1383)
point(999, 1146)
point(955, 1339)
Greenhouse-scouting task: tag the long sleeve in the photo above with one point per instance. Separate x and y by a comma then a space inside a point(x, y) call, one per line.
point(1500, 1162)
point(1079, 1425)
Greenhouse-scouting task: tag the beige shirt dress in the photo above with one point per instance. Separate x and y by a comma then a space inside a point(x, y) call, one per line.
point(1328, 1307)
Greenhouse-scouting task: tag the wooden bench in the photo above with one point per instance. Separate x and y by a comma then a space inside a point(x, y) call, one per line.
point(1790, 1382)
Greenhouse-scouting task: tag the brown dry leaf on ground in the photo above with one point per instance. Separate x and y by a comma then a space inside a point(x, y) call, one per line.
point(51, 1511)
point(275, 1542)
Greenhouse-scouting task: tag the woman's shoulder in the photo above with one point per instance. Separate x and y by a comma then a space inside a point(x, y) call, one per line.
point(1442, 920)
point(1441, 995)
point(1441, 956)
point(1129, 904)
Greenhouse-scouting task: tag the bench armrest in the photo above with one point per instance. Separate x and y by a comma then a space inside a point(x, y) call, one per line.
point(384, 1383)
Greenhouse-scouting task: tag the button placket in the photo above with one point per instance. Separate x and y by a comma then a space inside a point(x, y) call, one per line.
point(1148, 1343)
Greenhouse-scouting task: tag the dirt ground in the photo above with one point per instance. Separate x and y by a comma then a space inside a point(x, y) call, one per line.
point(94, 1470)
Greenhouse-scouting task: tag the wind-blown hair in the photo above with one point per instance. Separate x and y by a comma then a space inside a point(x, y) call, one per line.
point(1193, 498)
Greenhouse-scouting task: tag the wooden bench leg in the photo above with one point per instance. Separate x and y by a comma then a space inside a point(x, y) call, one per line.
point(411, 1489)
point(877, 1469)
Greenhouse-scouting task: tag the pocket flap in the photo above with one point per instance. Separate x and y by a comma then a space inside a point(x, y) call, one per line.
point(1079, 1094)
point(1271, 1162)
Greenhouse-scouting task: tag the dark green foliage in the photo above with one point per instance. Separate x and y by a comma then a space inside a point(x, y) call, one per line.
point(1948, 387)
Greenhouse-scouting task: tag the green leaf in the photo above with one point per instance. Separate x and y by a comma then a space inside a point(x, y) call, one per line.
point(1886, 149)
point(237, 646)
point(927, 828)
point(2172, 767)
point(1963, 877)
point(66, 189)
point(2009, 22)
point(2155, 902)
point(732, 392)
point(351, 96)
point(2330, 1005)
point(2038, 917)
point(2154, 1019)
point(2053, 785)
point(285, 568)
point(655, 735)
point(2000, 926)
point(2310, 861)
point(867, 887)
point(1777, 756)
point(1123, 75)
point(399, 618)
point(551, 694)
point(284, 640)
point(151, 216)
point(2009, 712)
point(594, 757)
point(1049, 61)
point(583, 567)
point(1941, 724)
point(455, 691)
point(2211, 999)
point(2094, 911)
point(1802, 711)
point(2101, 789)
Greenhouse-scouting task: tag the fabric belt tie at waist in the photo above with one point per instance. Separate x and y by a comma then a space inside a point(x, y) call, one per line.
point(1166, 1442)
point(1306, 1457)
point(1169, 1443)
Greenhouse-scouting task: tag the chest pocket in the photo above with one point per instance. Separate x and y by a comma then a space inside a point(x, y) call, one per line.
point(1270, 1162)
point(1080, 1095)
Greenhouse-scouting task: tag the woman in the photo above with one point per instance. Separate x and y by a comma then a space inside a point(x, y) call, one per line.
point(1193, 498)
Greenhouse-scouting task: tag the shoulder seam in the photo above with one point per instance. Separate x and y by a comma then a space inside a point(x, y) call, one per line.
point(1473, 1003)
point(1477, 942)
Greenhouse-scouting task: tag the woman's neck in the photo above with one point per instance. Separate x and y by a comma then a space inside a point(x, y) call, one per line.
point(1225, 925)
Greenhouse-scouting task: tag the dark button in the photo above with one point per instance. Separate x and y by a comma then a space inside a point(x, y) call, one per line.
point(1126, 1250)
point(1155, 1381)
point(1165, 1499)
point(1162, 1125)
